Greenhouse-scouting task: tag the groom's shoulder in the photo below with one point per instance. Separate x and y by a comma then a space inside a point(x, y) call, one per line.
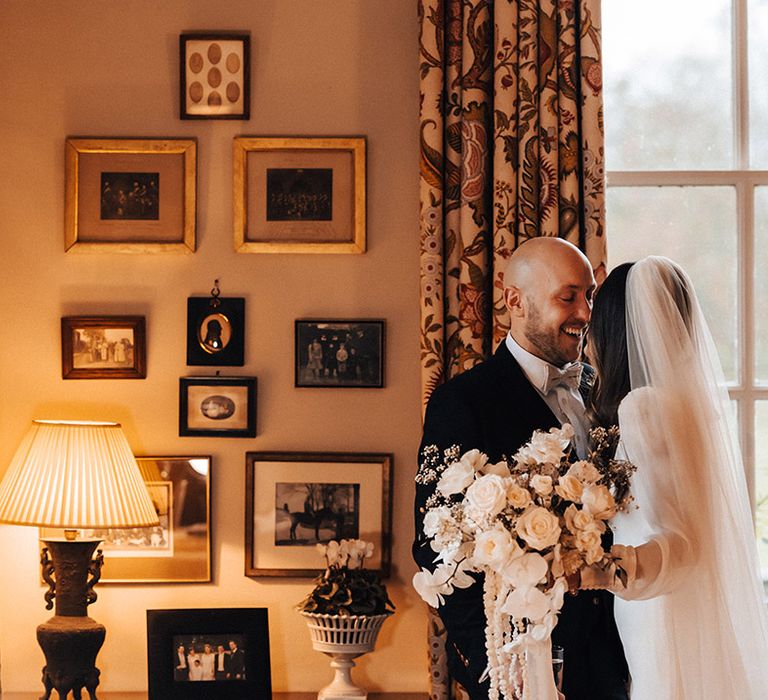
point(477, 380)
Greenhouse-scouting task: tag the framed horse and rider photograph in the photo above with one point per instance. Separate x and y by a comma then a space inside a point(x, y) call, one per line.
point(296, 500)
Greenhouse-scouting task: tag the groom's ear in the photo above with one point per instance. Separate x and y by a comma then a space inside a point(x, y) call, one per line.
point(513, 298)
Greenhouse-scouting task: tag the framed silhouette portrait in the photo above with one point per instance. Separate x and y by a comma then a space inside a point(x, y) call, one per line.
point(216, 331)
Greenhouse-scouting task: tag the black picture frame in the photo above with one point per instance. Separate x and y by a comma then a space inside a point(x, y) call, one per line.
point(271, 515)
point(216, 331)
point(362, 341)
point(248, 624)
point(217, 406)
point(215, 75)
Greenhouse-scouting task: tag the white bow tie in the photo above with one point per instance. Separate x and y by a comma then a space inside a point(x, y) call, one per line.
point(569, 377)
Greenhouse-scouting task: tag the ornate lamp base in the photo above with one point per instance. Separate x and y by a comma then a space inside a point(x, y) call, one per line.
point(70, 645)
point(70, 639)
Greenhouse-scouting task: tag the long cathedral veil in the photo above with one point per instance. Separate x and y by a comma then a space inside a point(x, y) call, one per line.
point(683, 433)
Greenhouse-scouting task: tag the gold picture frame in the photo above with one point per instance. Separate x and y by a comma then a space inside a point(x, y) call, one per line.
point(179, 549)
point(130, 195)
point(300, 195)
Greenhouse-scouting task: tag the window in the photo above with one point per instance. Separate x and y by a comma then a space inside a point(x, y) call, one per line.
point(686, 119)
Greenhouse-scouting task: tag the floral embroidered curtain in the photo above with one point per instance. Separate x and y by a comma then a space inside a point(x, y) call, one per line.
point(511, 133)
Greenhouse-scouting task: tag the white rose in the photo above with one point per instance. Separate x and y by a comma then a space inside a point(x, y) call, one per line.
point(488, 495)
point(456, 478)
point(597, 499)
point(589, 542)
point(517, 496)
point(569, 488)
point(584, 471)
point(493, 548)
point(541, 484)
point(579, 519)
point(538, 527)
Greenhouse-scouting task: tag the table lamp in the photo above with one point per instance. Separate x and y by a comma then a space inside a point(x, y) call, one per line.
point(73, 475)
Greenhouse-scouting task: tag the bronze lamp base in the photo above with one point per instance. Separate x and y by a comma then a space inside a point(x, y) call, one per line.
point(70, 640)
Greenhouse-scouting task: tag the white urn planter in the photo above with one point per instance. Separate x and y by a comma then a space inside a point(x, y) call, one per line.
point(343, 638)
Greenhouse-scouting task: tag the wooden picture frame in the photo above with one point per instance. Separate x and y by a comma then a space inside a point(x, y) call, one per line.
point(216, 331)
point(300, 195)
point(293, 500)
point(347, 353)
point(103, 347)
point(215, 75)
point(130, 195)
point(217, 406)
point(243, 634)
point(179, 549)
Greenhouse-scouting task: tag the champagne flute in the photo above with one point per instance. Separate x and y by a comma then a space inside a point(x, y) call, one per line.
point(558, 655)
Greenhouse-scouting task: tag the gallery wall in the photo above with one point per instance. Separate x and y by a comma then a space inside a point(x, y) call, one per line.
point(109, 69)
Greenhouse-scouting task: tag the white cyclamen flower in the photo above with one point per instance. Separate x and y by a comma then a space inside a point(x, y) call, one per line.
point(538, 527)
point(487, 495)
point(597, 499)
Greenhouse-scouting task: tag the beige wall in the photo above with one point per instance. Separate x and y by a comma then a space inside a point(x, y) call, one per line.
point(86, 67)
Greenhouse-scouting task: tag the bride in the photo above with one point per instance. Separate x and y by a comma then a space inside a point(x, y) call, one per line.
point(692, 616)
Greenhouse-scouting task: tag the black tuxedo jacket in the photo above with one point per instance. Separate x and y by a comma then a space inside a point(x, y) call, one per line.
point(493, 407)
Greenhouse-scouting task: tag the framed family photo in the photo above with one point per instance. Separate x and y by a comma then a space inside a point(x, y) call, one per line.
point(130, 195)
point(346, 353)
point(178, 550)
point(103, 347)
point(296, 500)
point(209, 654)
point(217, 406)
point(215, 78)
point(300, 195)
point(216, 331)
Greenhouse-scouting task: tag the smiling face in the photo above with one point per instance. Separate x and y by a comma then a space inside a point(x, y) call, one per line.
point(551, 301)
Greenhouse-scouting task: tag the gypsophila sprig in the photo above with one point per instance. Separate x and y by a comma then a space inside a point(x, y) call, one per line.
point(526, 523)
point(346, 587)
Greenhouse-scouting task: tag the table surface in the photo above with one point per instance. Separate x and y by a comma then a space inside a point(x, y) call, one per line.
point(275, 696)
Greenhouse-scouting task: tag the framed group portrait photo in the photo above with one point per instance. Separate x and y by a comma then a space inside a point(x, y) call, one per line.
point(297, 500)
point(103, 347)
point(130, 195)
point(178, 549)
point(209, 654)
point(300, 195)
point(339, 353)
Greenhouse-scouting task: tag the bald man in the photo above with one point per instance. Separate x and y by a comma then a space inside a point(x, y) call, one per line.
point(533, 381)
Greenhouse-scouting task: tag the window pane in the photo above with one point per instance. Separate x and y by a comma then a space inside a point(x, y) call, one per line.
point(758, 83)
point(761, 284)
point(761, 482)
point(696, 227)
point(667, 77)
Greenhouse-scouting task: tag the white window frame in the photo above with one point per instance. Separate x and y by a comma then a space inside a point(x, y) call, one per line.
point(746, 390)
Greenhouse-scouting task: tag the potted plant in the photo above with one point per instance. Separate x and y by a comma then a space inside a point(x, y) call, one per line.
point(345, 611)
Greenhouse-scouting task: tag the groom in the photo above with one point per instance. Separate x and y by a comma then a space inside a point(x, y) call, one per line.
point(495, 407)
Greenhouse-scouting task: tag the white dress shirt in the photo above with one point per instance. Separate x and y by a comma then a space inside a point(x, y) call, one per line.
point(564, 402)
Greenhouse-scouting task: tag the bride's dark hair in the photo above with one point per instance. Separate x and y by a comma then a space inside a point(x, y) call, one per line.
point(608, 347)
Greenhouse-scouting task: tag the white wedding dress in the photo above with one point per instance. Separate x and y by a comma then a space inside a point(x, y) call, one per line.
point(693, 622)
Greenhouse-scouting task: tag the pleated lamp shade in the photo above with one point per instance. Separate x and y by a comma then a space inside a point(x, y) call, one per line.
point(75, 474)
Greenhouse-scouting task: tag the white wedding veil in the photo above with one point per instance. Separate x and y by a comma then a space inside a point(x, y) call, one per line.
point(713, 612)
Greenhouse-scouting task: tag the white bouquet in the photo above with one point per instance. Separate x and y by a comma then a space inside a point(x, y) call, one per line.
point(527, 524)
